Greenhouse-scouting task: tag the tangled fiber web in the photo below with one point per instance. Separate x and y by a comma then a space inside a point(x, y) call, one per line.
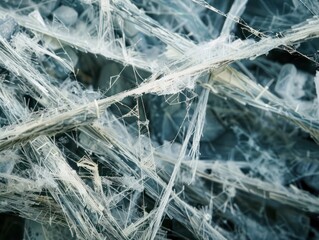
point(159, 119)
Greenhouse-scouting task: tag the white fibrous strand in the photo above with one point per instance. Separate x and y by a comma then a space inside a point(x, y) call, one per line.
point(135, 119)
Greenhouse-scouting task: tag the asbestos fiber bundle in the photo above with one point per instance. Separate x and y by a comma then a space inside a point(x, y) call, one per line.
point(159, 119)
